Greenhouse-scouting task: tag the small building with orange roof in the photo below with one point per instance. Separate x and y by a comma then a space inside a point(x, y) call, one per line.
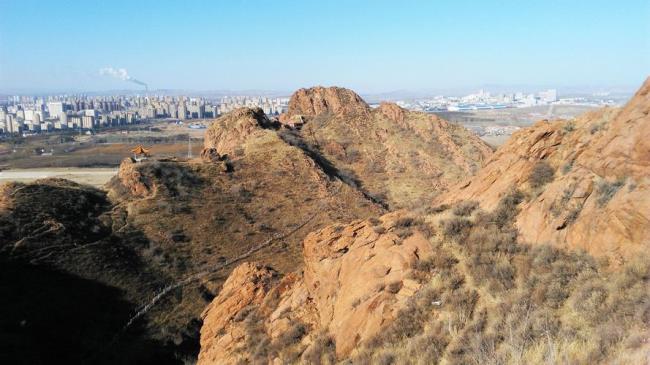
point(140, 153)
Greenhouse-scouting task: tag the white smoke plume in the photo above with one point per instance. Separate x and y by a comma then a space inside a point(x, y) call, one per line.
point(122, 74)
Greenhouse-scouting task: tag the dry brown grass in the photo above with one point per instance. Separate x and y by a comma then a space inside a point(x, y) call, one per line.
point(493, 300)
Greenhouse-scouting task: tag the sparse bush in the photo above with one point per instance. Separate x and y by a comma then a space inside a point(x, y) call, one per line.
point(291, 337)
point(566, 168)
point(352, 155)
point(506, 211)
point(569, 126)
point(406, 226)
point(394, 287)
point(456, 227)
point(574, 214)
point(541, 175)
point(243, 313)
point(386, 358)
point(595, 128)
point(465, 208)
point(607, 190)
point(426, 229)
point(404, 222)
point(437, 209)
point(322, 351)
point(374, 221)
point(375, 166)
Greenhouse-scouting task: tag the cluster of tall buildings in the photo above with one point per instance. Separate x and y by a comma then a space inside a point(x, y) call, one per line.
point(271, 106)
point(24, 114)
point(484, 100)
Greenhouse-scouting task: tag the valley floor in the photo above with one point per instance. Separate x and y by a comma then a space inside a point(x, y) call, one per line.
point(96, 177)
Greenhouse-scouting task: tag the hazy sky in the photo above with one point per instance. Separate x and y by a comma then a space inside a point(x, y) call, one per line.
point(370, 46)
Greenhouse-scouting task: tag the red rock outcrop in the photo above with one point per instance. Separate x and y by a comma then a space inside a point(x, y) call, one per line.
point(599, 199)
point(392, 111)
point(356, 277)
point(230, 132)
point(319, 100)
point(137, 184)
point(247, 285)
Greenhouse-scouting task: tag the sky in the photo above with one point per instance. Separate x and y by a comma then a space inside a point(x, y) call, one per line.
point(369, 46)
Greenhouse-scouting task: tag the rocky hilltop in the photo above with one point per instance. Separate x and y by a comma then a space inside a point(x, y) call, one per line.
point(326, 100)
point(397, 156)
point(587, 180)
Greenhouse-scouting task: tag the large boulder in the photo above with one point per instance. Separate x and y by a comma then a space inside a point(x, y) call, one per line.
point(230, 132)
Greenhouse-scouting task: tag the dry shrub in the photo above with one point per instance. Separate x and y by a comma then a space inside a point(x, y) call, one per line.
point(394, 287)
point(607, 190)
point(406, 226)
point(429, 348)
point(385, 358)
point(437, 209)
point(465, 208)
point(456, 227)
point(374, 221)
point(440, 260)
point(321, 351)
point(541, 175)
point(291, 337)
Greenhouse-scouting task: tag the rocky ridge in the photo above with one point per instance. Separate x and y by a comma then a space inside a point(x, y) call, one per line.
point(398, 156)
point(596, 195)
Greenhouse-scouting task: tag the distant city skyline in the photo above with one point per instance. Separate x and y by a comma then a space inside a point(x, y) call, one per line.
point(368, 46)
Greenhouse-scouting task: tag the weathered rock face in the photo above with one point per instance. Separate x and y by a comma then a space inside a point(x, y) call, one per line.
point(599, 196)
point(137, 184)
point(319, 100)
point(355, 279)
point(247, 285)
point(392, 111)
point(231, 131)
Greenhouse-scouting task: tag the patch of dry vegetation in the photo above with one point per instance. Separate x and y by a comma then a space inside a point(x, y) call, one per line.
point(541, 175)
point(494, 300)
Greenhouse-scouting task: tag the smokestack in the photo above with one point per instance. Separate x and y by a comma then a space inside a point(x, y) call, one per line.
point(146, 87)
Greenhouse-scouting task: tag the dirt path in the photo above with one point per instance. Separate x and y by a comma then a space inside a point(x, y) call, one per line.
point(92, 176)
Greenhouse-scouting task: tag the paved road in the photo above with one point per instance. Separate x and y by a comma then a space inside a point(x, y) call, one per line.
point(92, 176)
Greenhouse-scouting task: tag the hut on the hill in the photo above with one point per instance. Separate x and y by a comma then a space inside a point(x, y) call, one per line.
point(140, 153)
